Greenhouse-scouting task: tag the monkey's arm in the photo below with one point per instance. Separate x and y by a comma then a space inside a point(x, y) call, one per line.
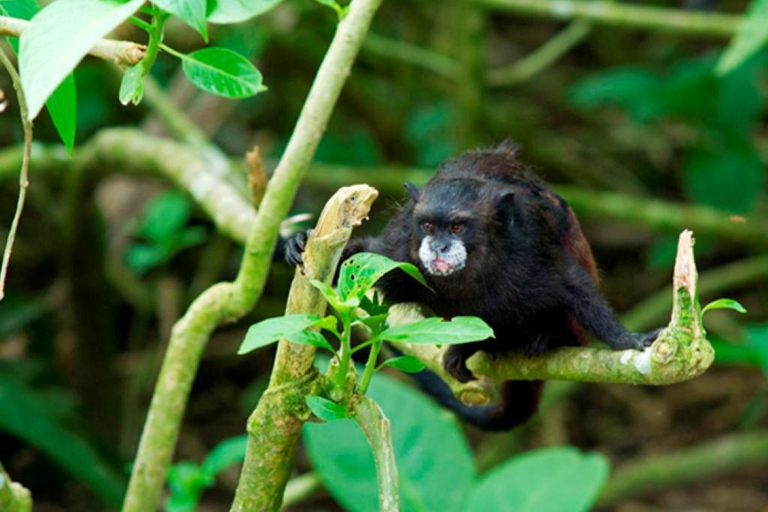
point(591, 310)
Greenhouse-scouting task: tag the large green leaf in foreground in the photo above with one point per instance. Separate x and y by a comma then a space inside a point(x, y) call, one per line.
point(434, 461)
point(548, 480)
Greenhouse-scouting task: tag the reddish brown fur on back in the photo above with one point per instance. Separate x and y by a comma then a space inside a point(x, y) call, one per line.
point(574, 241)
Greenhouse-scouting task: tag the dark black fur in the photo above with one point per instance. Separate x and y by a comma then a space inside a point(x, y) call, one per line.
point(529, 272)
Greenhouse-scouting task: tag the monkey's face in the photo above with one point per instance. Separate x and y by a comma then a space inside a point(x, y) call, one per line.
point(441, 251)
point(445, 227)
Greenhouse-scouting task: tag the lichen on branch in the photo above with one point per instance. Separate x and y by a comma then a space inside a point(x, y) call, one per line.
point(680, 353)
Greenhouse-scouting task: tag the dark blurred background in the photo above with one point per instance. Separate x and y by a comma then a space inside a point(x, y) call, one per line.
point(624, 118)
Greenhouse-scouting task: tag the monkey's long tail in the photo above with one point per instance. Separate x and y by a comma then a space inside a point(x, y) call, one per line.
point(519, 400)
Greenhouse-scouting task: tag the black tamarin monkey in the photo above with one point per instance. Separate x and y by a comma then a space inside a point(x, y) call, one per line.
point(493, 240)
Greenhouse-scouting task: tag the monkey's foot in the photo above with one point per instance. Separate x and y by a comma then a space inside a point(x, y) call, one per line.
point(637, 340)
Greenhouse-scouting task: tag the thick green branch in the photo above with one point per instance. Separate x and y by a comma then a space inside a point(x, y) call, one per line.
point(680, 353)
point(624, 15)
point(226, 198)
point(226, 302)
point(275, 426)
point(686, 466)
point(124, 53)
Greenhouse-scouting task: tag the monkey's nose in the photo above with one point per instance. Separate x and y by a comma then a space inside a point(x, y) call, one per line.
point(441, 247)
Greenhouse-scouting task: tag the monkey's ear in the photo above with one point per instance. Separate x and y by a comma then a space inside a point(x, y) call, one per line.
point(505, 206)
point(413, 192)
point(507, 147)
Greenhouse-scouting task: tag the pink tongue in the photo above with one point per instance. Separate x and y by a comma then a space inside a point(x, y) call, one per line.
point(441, 265)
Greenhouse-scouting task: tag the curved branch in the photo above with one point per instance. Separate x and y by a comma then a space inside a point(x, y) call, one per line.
point(131, 151)
point(26, 124)
point(685, 466)
point(228, 301)
point(680, 353)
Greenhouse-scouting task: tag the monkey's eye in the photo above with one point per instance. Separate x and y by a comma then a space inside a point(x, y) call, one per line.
point(457, 227)
point(427, 227)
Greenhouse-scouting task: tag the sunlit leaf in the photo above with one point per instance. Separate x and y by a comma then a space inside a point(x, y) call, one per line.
point(436, 331)
point(50, 47)
point(191, 12)
point(236, 11)
point(62, 105)
point(361, 271)
point(272, 329)
point(749, 39)
point(724, 304)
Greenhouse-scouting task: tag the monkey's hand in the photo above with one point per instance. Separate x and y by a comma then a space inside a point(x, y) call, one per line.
point(455, 361)
point(294, 247)
point(636, 340)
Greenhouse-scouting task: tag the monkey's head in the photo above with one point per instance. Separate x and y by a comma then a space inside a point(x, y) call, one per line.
point(449, 233)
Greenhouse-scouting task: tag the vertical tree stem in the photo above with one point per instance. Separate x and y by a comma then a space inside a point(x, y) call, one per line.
point(375, 426)
point(275, 425)
point(225, 302)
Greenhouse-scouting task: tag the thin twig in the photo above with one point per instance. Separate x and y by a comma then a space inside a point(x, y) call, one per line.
point(23, 175)
point(124, 53)
point(676, 21)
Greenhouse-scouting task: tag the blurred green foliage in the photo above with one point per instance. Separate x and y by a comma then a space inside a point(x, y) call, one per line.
point(163, 232)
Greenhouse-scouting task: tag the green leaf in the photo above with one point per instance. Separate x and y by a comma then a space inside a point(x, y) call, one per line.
point(726, 174)
point(272, 329)
point(325, 409)
point(62, 107)
point(186, 481)
point(51, 47)
point(749, 39)
point(222, 72)
point(310, 338)
point(436, 331)
point(546, 480)
point(361, 271)
point(225, 454)
point(436, 466)
point(62, 103)
point(191, 12)
point(164, 216)
point(332, 297)
point(333, 4)
point(26, 415)
point(143, 257)
point(131, 86)
point(236, 11)
point(407, 364)
point(724, 304)
point(23, 9)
